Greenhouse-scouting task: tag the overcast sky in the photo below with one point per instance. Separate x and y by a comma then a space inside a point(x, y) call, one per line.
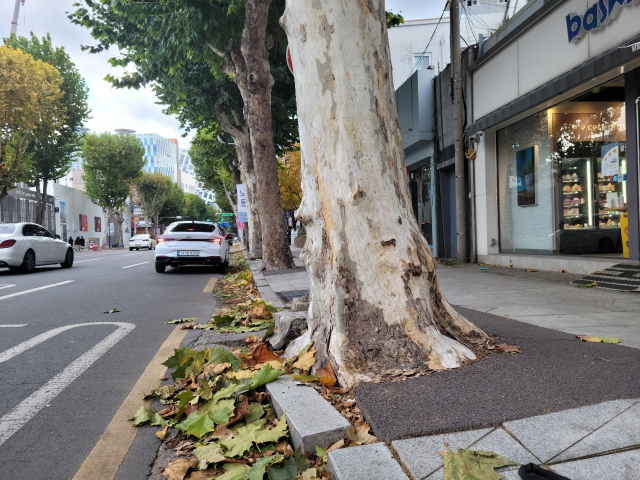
point(115, 108)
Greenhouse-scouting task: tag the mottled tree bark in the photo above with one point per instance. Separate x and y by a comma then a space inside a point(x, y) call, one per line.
point(253, 76)
point(375, 301)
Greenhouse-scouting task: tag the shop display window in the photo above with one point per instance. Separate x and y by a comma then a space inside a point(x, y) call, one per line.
point(562, 177)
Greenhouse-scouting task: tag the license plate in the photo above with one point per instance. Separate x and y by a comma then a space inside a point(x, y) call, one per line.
point(188, 253)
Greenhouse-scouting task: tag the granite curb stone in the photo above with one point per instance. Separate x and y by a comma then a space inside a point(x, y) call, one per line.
point(313, 422)
point(366, 462)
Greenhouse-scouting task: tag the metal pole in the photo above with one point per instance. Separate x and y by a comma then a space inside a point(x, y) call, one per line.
point(461, 201)
point(14, 22)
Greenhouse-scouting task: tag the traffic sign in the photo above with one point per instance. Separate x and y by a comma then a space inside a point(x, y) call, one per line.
point(226, 214)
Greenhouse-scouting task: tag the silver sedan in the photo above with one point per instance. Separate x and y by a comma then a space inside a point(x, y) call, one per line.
point(24, 246)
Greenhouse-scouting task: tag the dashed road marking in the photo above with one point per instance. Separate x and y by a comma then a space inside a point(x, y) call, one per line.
point(14, 325)
point(135, 265)
point(210, 286)
point(92, 260)
point(6, 286)
point(35, 289)
point(30, 406)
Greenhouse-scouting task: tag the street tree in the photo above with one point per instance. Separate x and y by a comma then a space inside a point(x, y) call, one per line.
point(112, 165)
point(30, 110)
point(375, 301)
point(53, 151)
point(153, 192)
point(199, 39)
point(195, 208)
point(290, 179)
point(215, 166)
point(173, 206)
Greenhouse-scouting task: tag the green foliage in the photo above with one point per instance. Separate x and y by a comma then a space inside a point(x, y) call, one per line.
point(55, 149)
point(153, 193)
point(254, 433)
point(291, 467)
point(394, 20)
point(30, 108)
point(112, 164)
point(173, 205)
point(146, 414)
point(195, 208)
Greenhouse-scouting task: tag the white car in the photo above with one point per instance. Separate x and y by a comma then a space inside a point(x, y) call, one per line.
point(24, 246)
point(143, 240)
point(192, 243)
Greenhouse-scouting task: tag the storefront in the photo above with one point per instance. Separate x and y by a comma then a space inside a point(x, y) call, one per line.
point(555, 127)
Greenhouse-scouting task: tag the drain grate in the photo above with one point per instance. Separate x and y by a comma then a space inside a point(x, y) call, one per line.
point(623, 278)
point(287, 297)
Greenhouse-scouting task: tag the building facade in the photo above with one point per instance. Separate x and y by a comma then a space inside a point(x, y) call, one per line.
point(553, 119)
point(188, 181)
point(161, 154)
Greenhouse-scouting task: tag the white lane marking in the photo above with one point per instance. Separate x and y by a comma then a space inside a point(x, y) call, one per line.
point(92, 260)
point(36, 289)
point(30, 406)
point(14, 326)
point(129, 254)
point(135, 265)
point(6, 286)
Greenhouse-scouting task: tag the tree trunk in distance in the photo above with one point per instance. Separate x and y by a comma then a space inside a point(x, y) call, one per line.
point(105, 234)
point(375, 302)
point(41, 205)
point(251, 191)
point(253, 77)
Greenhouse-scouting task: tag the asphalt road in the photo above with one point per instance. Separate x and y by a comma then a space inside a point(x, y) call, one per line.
point(82, 374)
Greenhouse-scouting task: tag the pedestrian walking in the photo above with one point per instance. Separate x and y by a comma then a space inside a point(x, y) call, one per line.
point(82, 243)
point(78, 243)
point(71, 241)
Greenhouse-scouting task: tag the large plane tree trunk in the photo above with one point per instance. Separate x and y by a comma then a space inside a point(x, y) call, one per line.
point(375, 301)
point(253, 77)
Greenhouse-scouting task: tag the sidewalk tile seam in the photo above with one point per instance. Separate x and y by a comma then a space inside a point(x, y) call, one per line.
point(521, 444)
point(594, 455)
point(606, 452)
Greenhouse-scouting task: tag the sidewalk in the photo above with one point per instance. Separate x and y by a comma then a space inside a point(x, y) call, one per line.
point(571, 406)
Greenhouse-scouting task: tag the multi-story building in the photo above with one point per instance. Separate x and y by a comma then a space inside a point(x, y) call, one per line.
point(188, 181)
point(161, 154)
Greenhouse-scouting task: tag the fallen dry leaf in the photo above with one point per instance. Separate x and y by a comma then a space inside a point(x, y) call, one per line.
point(205, 474)
point(306, 361)
point(509, 266)
point(339, 444)
point(359, 433)
point(194, 382)
point(504, 348)
point(169, 411)
point(221, 433)
point(284, 447)
point(260, 312)
point(161, 434)
point(588, 338)
point(561, 271)
point(216, 369)
point(241, 411)
point(531, 270)
point(178, 469)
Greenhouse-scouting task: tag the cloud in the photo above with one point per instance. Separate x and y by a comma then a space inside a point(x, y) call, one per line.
point(110, 108)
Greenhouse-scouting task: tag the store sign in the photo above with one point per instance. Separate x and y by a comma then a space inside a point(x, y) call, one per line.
point(597, 16)
point(242, 203)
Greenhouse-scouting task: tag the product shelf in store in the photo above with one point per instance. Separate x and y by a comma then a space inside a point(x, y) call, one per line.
point(572, 193)
point(571, 181)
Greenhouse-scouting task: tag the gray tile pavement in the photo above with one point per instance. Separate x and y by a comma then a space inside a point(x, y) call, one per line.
point(617, 466)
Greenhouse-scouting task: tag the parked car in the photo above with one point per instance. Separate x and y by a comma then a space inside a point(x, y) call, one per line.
point(143, 240)
point(192, 243)
point(24, 246)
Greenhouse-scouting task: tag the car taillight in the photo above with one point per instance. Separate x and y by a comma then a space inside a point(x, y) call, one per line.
point(216, 240)
point(7, 243)
point(162, 239)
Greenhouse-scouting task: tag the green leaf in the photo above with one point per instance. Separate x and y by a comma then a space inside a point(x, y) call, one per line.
point(207, 454)
point(322, 453)
point(198, 424)
point(235, 471)
point(220, 412)
point(225, 392)
point(292, 466)
point(265, 375)
point(146, 414)
point(184, 398)
point(180, 320)
point(162, 393)
point(258, 469)
point(254, 433)
point(472, 464)
point(113, 310)
point(256, 410)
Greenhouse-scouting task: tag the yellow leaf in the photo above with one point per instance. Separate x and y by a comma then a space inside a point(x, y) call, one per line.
point(359, 434)
point(306, 361)
point(161, 434)
point(275, 364)
point(240, 374)
point(587, 338)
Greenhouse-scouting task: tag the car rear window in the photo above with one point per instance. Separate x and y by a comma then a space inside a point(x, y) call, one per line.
point(7, 229)
point(194, 227)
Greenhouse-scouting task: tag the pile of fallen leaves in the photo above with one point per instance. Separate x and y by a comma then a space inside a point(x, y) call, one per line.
point(226, 427)
point(250, 316)
point(238, 286)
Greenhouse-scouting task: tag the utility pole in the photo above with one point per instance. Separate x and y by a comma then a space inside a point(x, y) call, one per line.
point(456, 73)
point(16, 11)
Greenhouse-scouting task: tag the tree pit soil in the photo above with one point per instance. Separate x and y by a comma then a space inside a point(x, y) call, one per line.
point(554, 371)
